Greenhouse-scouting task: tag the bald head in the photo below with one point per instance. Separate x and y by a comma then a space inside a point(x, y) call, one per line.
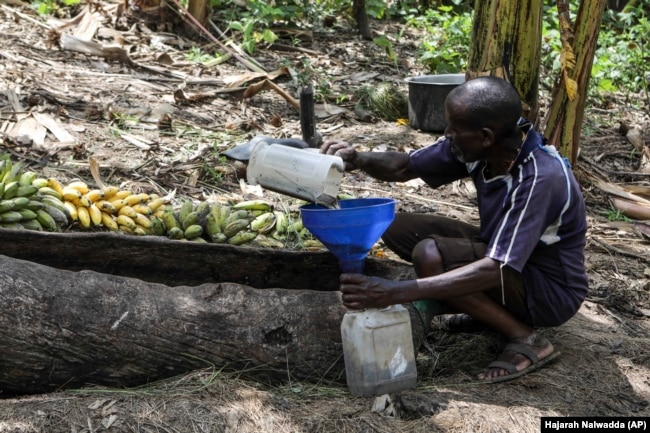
point(488, 102)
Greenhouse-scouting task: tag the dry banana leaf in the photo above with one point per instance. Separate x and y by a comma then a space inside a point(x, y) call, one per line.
point(632, 209)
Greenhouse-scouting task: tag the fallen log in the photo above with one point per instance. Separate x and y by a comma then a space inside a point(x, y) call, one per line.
point(67, 323)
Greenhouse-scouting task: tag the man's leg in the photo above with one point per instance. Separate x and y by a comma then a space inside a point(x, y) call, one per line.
point(429, 259)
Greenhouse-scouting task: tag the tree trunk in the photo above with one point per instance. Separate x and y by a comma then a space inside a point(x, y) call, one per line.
point(200, 10)
point(361, 17)
point(506, 42)
point(60, 328)
point(563, 123)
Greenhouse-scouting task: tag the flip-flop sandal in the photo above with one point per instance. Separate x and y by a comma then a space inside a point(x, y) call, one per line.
point(463, 323)
point(513, 373)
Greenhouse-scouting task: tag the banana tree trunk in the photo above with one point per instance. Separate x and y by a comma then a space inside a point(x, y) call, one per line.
point(563, 123)
point(506, 42)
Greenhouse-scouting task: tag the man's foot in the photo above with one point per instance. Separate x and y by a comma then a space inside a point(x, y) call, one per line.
point(520, 357)
point(463, 323)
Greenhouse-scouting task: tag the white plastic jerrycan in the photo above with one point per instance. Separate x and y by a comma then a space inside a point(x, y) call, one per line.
point(302, 173)
point(378, 351)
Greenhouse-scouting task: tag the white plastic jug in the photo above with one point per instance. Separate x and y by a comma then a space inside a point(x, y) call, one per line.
point(303, 173)
point(378, 351)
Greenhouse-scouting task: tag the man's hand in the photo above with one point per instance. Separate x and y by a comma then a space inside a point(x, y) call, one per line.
point(343, 150)
point(360, 292)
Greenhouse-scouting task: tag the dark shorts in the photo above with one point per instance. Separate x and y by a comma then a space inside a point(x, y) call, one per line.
point(459, 245)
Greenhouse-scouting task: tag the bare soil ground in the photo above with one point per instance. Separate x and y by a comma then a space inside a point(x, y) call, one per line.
point(158, 122)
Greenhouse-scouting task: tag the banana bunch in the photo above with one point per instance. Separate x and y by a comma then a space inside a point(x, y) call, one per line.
point(27, 201)
point(216, 223)
point(109, 207)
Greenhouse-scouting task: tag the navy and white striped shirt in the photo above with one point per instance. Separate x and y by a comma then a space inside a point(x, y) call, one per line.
point(533, 220)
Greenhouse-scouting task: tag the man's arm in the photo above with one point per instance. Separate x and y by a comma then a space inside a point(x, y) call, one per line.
point(360, 291)
point(386, 166)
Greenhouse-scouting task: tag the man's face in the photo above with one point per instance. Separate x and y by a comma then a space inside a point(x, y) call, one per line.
point(466, 142)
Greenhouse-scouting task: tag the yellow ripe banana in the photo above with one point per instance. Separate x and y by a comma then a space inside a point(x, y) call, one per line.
point(142, 208)
point(84, 201)
point(118, 204)
point(95, 215)
point(109, 222)
point(55, 185)
point(253, 205)
point(155, 204)
point(109, 191)
point(79, 185)
point(137, 198)
point(71, 210)
point(94, 195)
point(71, 194)
point(123, 193)
point(142, 220)
point(140, 231)
point(127, 210)
point(106, 206)
point(126, 221)
point(83, 217)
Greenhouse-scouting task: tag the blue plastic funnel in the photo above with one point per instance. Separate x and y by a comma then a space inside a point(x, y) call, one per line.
point(350, 231)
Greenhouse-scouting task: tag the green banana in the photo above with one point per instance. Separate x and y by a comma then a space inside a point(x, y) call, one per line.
point(235, 227)
point(12, 174)
point(11, 189)
point(60, 218)
point(7, 205)
point(169, 219)
point(242, 238)
point(190, 219)
point(212, 226)
point(39, 182)
point(186, 208)
point(46, 220)
point(27, 178)
point(263, 223)
point(46, 190)
point(218, 238)
point(11, 217)
point(26, 190)
point(32, 224)
point(175, 233)
point(253, 205)
point(193, 231)
point(27, 214)
point(157, 226)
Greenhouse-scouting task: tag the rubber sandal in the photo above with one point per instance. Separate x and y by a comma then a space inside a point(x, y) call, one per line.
point(511, 368)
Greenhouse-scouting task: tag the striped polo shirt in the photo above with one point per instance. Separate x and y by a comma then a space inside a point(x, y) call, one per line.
point(533, 220)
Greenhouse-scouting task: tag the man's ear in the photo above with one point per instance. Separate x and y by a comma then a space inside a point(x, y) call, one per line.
point(488, 137)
